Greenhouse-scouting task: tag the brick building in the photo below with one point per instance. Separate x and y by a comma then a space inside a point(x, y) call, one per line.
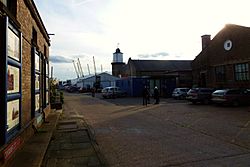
point(224, 60)
point(24, 50)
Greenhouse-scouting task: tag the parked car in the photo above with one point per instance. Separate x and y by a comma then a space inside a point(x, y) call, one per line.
point(180, 93)
point(233, 97)
point(113, 92)
point(83, 90)
point(202, 95)
point(72, 89)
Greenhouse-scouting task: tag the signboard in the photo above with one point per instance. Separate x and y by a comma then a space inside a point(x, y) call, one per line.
point(37, 81)
point(47, 97)
point(13, 79)
point(12, 114)
point(13, 45)
point(10, 150)
point(4, 2)
point(47, 68)
point(37, 102)
point(47, 83)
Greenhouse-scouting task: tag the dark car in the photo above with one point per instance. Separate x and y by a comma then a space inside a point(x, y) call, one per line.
point(83, 90)
point(202, 95)
point(233, 97)
point(72, 89)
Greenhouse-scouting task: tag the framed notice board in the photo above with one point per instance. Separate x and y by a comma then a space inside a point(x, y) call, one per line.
point(11, 87)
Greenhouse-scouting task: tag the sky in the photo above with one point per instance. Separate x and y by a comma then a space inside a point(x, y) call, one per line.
point(142, 29)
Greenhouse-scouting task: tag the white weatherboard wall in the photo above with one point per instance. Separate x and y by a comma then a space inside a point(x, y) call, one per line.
point(106, 80)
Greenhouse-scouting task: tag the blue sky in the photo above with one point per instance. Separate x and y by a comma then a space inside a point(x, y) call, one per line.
point(144, 29)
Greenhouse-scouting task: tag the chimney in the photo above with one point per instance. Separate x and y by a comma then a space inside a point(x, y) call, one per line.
point(205, 40)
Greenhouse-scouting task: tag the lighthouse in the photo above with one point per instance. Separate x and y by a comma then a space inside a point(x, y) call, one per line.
point(117, 63)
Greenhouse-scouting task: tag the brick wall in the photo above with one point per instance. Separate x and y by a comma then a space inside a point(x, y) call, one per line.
point(28, 21)
point(25, 15)
point(216, 55)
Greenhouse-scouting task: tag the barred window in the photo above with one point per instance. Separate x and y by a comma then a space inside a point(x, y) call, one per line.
point(220, 74)
point(241, 72)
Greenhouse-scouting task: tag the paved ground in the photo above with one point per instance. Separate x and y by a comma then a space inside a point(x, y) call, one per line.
point(72, 143)
point(173, 133)
point(33, 151)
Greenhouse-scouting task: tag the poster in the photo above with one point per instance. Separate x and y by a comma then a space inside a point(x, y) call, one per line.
point(47, 83)
point(13, 45)
point(47, 97)
point(12, 114)
point(47, 68)
point(37, 62)
point(37, 81)
point(13, 79)
point(37, 102)
point(4, 2)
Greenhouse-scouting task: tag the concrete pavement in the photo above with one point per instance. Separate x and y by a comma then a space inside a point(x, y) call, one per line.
point(72, 144)
point(33, 151)
point(64, 140)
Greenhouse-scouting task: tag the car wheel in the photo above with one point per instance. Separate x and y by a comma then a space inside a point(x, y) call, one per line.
point(206, 101)
point(236, 103)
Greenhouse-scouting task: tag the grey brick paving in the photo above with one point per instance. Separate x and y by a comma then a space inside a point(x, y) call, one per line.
point(71, 145)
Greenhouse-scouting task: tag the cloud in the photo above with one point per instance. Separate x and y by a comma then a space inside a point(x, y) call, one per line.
point(160, 54)
point(60, 59)
point(80, 2)
point(79, 56)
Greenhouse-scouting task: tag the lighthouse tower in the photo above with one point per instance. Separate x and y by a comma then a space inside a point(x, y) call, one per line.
point(117, 63)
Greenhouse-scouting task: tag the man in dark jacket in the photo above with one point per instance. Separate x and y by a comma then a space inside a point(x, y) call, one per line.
point(145, 95)
point(156, 95)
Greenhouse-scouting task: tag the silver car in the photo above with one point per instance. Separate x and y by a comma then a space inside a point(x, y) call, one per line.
point(180, 93)
point(113, 92)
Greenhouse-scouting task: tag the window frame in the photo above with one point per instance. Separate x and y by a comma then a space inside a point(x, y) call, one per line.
point(220, 73)
point(241, 72)
point(11, 103)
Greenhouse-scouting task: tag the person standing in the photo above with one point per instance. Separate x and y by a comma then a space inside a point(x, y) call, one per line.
point(145, 95)
point(156, 95)
point(93, 92)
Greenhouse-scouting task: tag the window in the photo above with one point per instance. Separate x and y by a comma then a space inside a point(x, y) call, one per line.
point(232, 92)
point(241, 72)
point(46, 82)
point(11, 5)
point(220, 73)
point(12, 93)
point(37, 81)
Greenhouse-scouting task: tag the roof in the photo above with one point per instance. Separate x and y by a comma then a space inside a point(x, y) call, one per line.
point(118, 51)
point(161, 65)
point(100, 74)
